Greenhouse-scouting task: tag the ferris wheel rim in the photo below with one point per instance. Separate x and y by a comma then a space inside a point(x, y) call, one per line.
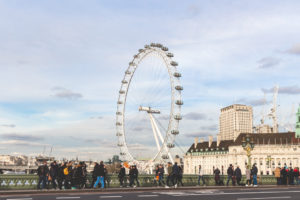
point(175, 93)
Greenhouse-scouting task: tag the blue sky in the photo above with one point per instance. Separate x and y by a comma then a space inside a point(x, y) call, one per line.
point(62, 62)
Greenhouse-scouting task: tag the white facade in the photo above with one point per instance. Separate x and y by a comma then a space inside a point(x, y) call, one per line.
point(267, 158)
point(235, 119)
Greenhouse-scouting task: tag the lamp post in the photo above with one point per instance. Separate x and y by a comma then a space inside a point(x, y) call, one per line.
point(248, 145)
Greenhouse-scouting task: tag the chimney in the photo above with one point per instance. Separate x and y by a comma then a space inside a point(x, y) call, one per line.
point(201, 140)
point(218, 140)
point(210, 140)
point(196, 142)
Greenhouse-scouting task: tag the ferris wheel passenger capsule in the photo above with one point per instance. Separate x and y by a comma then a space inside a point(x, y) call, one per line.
point(141, 50)
point(178, 117)
point(174, 132)
point(170, 145)
point(170, 55)
point(120, 144)
point(136, 56)
point(121, 91)
point(159, 45)
point(119, 124)
point(122, 153)
point(164, 48)
point(118, 113)
point(177, 74)
point(153, 45)
point(119, 134)
point(179, 87)
point(128, 72)
point(147, 46)
point(165, 157)
point(179, 102)
point(173, 63)
point(124, 82)
point(120, 102)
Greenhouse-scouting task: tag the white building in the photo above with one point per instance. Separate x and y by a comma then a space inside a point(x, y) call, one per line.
point(235, 119)
point(271, 149)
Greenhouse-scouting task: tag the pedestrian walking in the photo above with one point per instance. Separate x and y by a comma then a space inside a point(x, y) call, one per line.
point(169, 177)
point(200, 176)
point(254, 175)
point(238, 175)
point(217, 176)
point(296, 175)
point(161, 172)
point(248, 176)
point(42, 172)
point(175, 173)
point(229, 174)
point(60, 175)
point(121, 176)
point(99, 173)
point(53, 174)
point(180, 175)
point(277, 175)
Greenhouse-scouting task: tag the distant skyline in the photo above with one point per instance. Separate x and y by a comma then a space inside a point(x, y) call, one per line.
point(62, 62)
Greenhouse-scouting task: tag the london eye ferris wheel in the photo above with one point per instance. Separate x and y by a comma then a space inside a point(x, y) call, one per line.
point(149, 107)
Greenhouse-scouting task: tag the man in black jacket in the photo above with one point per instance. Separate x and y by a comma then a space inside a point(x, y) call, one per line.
point(99, 173)
point(238, 175)
point(43, 172)
point(122, 175)
point(53, 173)
point(229, 174)
point(175, 174)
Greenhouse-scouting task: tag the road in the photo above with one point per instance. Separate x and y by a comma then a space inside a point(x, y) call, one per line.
point(180, 194)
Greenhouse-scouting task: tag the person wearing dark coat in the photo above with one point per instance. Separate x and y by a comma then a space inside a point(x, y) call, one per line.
point(60, 175)
point(53, 174)
point(133, 176)
point(94, 177)
point(291, 176)
point(283, 176)
point(121, 176)
point(229, 174)
point(175, 174)
point(180, 173)
point(99, 173)
point(68, 172)
point(238, 175)
point(43, 172)
point(254, 171)
point(217, 176)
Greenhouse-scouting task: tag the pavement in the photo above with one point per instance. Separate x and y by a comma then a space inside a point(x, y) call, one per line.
point(189, 193)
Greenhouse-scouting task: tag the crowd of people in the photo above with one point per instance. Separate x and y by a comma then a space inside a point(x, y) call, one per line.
point(71, 175)
point(62, 176)
point(174, 176)
point(287, 175)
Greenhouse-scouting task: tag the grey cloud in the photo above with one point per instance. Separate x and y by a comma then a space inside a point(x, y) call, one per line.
point(197, 134)
point(15, 136)
point(195, 116)
point(64, 93)
point(99, 117)
point(8, 125)
point(140, 128)
point(294, 50)
point(213, 127)
point(293, 90)
point(268, 62)
point(254, 102)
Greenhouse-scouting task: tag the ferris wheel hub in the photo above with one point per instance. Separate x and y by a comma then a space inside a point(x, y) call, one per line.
point(149, 110)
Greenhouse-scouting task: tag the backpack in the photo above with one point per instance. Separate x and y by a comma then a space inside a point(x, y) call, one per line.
point(66, 171)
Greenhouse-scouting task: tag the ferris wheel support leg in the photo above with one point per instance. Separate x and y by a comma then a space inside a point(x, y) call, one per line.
point(160, 137)
point(154, 132)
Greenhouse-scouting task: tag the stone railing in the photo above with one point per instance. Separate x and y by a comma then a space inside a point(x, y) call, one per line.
point(23, 182)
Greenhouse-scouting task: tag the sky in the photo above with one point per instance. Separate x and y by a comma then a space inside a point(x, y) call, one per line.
point(62, 62)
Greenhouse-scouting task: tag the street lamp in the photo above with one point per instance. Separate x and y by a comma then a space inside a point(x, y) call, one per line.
point(248, 145)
